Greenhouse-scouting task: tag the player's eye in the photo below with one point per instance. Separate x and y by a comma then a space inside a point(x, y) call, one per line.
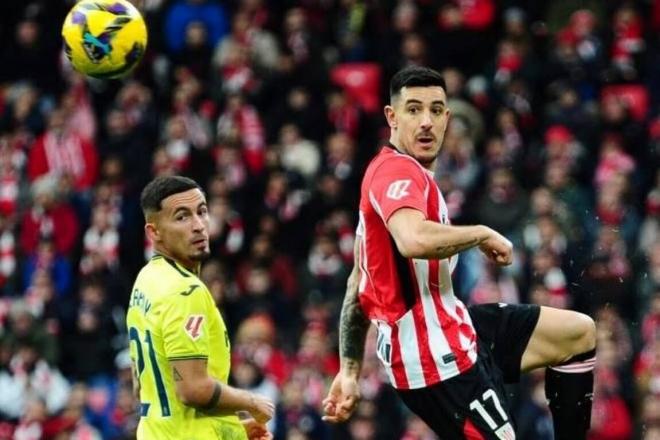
point(413, 110)
point(437, 111)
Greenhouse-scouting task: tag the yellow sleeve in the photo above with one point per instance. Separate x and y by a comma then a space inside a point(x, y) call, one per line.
point(185, 324)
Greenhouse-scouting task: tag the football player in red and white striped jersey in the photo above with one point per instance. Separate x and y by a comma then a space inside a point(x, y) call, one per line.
point(447, 362)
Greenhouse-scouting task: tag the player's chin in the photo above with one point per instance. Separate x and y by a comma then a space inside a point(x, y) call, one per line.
point(426, 157)
point(201, 254)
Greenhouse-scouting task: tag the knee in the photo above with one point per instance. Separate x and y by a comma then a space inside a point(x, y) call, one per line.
point(585, 333)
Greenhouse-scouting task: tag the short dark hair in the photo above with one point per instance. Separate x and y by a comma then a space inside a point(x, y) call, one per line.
point(161, 188)
point(415, 76)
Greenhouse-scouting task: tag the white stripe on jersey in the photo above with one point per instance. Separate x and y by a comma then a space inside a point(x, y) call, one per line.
point(385, 332)
point(412, 363)
point(361, 236)
point(437, 340)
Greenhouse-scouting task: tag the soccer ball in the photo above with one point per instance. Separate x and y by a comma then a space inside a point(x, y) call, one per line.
point(104, 38)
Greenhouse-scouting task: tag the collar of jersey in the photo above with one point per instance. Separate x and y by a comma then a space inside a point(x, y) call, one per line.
point(396, 151)
point(182, 270)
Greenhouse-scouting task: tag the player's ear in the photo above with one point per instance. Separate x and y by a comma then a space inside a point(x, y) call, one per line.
point(151, 231)
point(447, 117)
point(390, 116)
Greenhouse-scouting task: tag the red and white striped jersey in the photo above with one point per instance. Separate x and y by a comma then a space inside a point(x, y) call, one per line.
point(425, 334)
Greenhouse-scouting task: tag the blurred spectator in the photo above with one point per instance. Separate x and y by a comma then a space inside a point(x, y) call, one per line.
point(7, 252)
point(279, 266)
point(543, 203)
point(240, 124)
point(28, 376)
point(195, 56)
point(614, 210)
point(628, 42)
point(608, 273)
point(535, 419)
point(125, 143)
point(46, 258)
point(255, 340)
point(38, 55)
point(504, 204)
point(25, 329)
point(23, 112)
point(547, 271)
point(650, 230)
point(344, 115)
point(301, 48)
point(648, 282)
point(298, 154)
point(49, 217)
point(226, 229)
point(457, 157)
point(100, 242)
point(63, 153)
point(295, 415)
point(325, 272)
point(183, 12)
point(246, 35)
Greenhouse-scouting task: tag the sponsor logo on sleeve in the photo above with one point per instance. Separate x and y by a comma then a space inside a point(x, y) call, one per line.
point(398, 189)
point(193, 326)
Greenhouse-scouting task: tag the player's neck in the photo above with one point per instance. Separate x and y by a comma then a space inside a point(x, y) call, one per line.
point(191, 266)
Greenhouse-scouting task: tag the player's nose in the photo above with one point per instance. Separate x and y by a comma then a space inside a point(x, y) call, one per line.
point(426, 121)
point(198, 223)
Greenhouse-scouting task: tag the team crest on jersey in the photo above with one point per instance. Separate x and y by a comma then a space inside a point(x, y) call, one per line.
point(193, 326)
point(398, 189)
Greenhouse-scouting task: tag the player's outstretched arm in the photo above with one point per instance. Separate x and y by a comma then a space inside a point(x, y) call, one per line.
point(417, 237)
point(344, 393)
point(194, 387)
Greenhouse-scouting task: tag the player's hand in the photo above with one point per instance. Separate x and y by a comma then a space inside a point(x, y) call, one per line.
point(497, 249)
point(343, 397)
point(261, 408)
point(256, 430)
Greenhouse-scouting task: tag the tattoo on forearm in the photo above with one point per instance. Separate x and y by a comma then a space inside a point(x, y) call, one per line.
point(448, 251)
point(353, 326)
point(177, 376)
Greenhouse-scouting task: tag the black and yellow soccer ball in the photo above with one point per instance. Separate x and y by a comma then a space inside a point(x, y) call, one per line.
point(104, 38)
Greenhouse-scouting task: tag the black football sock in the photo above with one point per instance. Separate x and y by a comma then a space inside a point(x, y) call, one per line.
point(569, 390)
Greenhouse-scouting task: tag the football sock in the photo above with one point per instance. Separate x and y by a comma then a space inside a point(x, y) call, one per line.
point(569, 390)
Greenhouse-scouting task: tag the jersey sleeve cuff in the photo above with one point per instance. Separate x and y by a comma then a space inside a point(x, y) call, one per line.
point(185, 357)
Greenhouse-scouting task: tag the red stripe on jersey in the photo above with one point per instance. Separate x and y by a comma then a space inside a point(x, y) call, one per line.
point(466, 330)
point(470, 431)
point(398, 373)
point(431, 373)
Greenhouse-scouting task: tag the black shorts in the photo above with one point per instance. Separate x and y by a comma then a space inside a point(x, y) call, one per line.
point(473, 405)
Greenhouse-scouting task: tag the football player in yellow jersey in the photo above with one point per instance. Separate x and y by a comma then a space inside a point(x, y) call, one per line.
point(178, 340)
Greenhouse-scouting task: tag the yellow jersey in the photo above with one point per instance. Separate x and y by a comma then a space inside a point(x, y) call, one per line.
point(171, 315)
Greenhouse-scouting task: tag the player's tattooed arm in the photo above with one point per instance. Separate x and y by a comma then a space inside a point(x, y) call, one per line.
point(445, 251)
point(353, 324)
point(176, 375)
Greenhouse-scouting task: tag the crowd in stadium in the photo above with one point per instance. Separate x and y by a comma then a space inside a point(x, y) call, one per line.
point(275, 108)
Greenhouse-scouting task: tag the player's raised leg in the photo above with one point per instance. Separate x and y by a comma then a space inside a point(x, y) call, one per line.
point(565, 342)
